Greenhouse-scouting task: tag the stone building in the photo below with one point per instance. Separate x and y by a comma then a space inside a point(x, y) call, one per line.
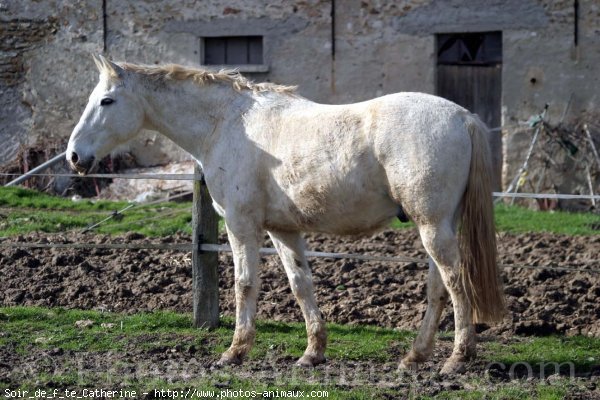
point(502, 59)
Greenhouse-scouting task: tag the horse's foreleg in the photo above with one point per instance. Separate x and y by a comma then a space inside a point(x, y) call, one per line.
point(290, 247)
point(441, 243)
point(437, 296)
point(245, 245)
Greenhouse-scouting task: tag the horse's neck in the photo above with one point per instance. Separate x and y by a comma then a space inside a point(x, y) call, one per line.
point(194, 116)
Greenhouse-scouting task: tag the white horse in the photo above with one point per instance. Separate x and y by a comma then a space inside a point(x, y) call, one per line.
point(276, 161)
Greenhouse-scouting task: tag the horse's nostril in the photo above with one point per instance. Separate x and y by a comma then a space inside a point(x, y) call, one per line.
point(74, 158)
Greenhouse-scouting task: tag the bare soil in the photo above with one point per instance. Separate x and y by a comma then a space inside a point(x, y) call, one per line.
point(540, 301)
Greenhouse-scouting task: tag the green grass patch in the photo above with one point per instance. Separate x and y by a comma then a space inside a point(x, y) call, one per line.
point(518, 219)
point(539, 391)
point(18, 197)
point(546, 354)
point(53, 338)
point(23, 211)
point(56, 327)
point(290, 339)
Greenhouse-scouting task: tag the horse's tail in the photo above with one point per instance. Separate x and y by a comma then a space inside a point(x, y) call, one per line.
point(477, 234)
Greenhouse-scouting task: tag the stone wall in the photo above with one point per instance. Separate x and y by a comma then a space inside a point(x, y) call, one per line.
point(47, 71)
point(359, 50)
point(542, 65)
point(17, 37)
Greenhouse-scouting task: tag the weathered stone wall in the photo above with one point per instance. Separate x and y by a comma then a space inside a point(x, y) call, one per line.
point(16, 38)
point(542, 66)
point(47, 71)
point(379, 47)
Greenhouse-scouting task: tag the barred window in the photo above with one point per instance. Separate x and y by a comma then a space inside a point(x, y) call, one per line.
point(232, 50)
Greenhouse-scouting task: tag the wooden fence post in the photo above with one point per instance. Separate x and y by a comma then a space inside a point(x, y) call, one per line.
point(205, 280)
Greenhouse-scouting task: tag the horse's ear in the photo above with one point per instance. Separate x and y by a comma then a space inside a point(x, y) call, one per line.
point(98, 62)
point(105, 65)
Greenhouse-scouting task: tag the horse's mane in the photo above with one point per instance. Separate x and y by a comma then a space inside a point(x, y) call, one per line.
point(174, 72)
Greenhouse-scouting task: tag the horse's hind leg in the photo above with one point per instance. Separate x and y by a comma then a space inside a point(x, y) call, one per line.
point(290, 247)
point(441, 243)
point(437, 296)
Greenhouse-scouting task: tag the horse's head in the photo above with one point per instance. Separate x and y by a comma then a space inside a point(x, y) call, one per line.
point(112, 117)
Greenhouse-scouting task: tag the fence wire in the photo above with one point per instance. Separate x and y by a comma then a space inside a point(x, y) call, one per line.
point(266, 251)
point(191, 177)
point(134, 206)
point(166, 177)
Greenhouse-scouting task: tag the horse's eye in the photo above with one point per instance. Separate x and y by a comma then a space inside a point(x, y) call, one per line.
point(106, 101)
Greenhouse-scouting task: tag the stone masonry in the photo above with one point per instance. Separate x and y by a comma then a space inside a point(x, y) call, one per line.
point(335, 50)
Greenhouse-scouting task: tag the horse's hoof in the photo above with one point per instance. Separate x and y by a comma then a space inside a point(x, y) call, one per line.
point(412, 360)
point(408, 365)
point(227, 359)
point(308, 361)
point(453, 366)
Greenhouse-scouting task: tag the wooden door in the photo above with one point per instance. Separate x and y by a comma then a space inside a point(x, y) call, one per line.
point(469, 73)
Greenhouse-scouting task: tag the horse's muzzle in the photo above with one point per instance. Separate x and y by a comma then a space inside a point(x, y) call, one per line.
point(80, 165)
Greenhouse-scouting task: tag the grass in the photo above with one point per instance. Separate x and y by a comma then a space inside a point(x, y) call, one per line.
point(23, 211)
point(61, 349)
point(51, 328)
point(518, 220)
point(18, 197)
point(582, 352)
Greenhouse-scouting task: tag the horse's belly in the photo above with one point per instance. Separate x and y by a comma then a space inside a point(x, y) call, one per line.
point(349, 213)
point(364, 218)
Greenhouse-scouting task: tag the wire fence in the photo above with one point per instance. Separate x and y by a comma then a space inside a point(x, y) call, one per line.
point(191, 177)
point(166, 177)
point(210, 247)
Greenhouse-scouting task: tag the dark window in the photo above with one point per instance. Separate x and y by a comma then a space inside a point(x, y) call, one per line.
point(480, 48)
point(233, 50)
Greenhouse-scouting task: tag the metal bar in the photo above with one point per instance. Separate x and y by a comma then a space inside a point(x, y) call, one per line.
point(591, 142)
point(266, 251)
point(188, 177)
point(529, 153)
point(321, 254)
point(332, 16)
point(37, 169)
point(576, 23)
point(590, 184)
point(401, 259)
point(107, 246)
point(104, 28)
point(166, 177)
point(548, 196)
